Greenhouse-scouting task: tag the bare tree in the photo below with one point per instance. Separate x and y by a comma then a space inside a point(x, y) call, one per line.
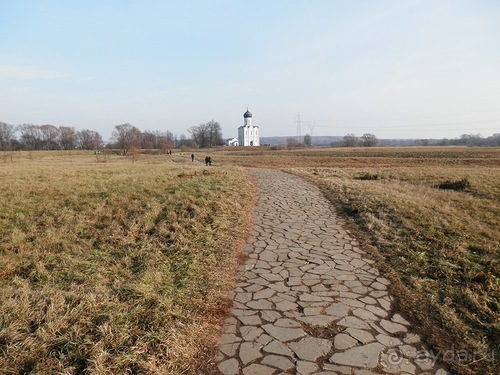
point(199, 135)
point(6, 136)
point(67, 137)
point(350, 140)
point(214, 133)
point(50, 135)
point(470, 139)
point(126, 136)
point(369, 140)
point(88, 140)
point(31, 137)
point(207, 135)
point(149, 140)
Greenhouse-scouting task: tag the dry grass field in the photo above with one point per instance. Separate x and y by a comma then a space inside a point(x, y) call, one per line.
point(115, 266)
point(430, 217)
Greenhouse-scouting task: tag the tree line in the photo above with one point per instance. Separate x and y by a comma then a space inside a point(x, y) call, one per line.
point(124, 137)
point(349, 140)
point(370, 140)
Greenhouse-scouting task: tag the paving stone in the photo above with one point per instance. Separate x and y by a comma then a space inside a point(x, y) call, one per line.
point(306, 297)
point(229, 367)
point(242, 312)
point(283, 334)
point(263, 265)
point(361, 335)
point(383, 281)
point(264, 339)
point(270, 316)
point(344, 341)
point(271, 277)
point(362, 356)
point(260, 304)
point(306, 368)
point(277, 347)
point(338, 309)
point(250, 333)
point(265, 293)
point(288, 323)
point(396, 365)
point(256, 369)
point(353, 322)
point(318, 320)
point(228, 338)
point(411, 338)
point(249, 351)
point(351, 302)
point(441, 372)
point(338, 369)
point(286, 306)
point(392, 327)
point(388, 341)
point(229, 349)
point(361, 290)
point(377, 311)
point(278, 361)
point(252, 320)
point(385, 304)
point(364, 372)
point(365, 314)
point(279, 287)
point(311, 348)
point(399, 319)
point(313, 311)
point(229, 328)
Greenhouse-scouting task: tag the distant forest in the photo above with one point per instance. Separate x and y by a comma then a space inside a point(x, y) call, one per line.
point(127, 136)
point(370, 140)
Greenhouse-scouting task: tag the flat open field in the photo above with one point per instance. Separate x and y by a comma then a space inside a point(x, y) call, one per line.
point(115, 265)
point(430, 217)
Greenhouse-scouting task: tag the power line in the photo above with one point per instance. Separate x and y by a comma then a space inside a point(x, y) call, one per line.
point(299, 134)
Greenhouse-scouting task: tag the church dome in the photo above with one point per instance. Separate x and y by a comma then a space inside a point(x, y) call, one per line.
point(247, 114)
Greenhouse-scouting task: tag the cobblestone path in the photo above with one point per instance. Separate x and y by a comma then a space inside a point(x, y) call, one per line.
point(308, 301)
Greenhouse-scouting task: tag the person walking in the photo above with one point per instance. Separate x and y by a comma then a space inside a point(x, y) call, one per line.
point(192, 157)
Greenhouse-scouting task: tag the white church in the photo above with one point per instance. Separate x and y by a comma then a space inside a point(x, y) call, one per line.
point(248, 134)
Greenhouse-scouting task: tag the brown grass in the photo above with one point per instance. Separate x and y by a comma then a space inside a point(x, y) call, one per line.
point(431, 219)
point(115, 267)
point(110, 265)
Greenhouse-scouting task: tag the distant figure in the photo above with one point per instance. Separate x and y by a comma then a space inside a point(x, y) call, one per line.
point(208, 160)
point(192, 157)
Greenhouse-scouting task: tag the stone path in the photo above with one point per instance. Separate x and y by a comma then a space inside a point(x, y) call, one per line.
point(308, 301)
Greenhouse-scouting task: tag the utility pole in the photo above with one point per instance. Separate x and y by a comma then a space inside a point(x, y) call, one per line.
point(299, 134)
point(311, 127)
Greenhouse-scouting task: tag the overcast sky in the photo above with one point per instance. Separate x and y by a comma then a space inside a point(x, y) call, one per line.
point(394, 68)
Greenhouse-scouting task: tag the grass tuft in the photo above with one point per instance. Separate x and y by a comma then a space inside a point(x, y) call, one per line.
point(460, 185)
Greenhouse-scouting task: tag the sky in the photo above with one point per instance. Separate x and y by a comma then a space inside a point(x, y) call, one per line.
point(392, 68)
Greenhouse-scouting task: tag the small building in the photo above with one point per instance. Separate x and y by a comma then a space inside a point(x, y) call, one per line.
point(248, 134)
point(232, 142)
